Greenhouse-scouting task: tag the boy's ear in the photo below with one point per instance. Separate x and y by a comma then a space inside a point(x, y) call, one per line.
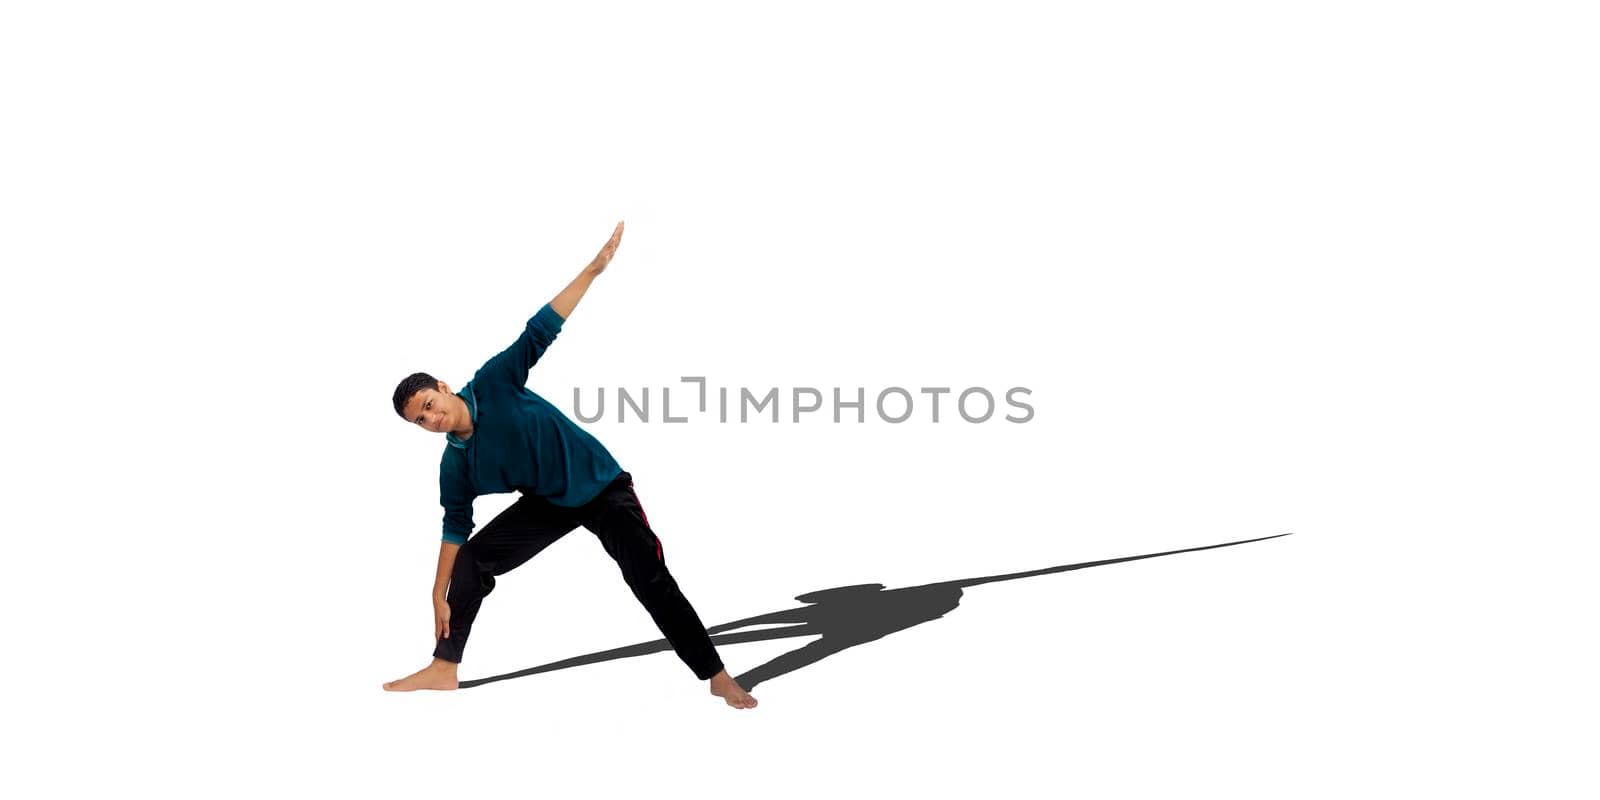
point(444, 387)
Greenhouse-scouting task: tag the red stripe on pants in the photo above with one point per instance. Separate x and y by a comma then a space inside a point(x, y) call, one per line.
point(646, 517)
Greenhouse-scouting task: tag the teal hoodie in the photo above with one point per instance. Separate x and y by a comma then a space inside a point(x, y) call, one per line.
point(520, 442)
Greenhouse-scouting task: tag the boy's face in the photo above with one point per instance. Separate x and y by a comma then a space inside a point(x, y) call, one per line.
point(436, 410)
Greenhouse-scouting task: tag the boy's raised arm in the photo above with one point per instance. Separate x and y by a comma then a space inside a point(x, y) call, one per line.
point(513, 363)
point(567, 300)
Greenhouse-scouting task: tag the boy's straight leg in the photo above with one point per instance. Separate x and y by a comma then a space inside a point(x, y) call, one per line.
point(526, 527)
point(618, 520)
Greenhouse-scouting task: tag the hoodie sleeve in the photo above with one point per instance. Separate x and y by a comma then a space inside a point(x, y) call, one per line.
point(456, 495)
point(511, 365)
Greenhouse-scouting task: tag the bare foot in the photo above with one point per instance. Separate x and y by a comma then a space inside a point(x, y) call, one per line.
point(440, 674)
point(725, 687)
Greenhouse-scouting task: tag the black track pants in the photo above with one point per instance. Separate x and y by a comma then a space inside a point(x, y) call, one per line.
point(615, 517)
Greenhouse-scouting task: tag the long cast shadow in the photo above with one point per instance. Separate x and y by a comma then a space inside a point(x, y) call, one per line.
point(844, 616)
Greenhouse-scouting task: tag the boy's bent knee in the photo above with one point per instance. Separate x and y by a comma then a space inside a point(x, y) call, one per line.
point(653, 583)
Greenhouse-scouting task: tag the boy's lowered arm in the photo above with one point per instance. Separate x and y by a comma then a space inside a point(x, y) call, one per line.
point(567, 300)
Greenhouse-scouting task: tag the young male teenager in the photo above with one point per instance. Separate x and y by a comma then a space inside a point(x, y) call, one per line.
point(501, 437)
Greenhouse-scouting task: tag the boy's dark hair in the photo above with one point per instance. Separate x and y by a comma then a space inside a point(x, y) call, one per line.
point(413, 383)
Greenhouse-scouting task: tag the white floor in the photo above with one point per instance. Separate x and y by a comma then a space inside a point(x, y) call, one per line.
point(1259, 268)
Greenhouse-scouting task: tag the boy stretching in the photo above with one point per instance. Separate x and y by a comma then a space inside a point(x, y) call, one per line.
point(501, 437)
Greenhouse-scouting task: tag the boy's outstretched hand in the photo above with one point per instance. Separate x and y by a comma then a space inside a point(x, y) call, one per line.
point(564, 303)
point(601, 259)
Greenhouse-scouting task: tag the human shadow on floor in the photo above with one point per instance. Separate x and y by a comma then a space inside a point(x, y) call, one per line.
point(844, 616)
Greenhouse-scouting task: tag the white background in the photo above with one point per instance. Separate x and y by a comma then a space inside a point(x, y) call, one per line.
point(1266, 267)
